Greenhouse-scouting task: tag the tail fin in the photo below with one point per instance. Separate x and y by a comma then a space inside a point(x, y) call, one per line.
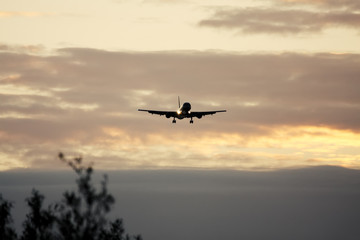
point(179, 101)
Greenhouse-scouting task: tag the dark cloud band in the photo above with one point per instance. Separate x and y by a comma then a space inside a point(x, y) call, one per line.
point(283, 21)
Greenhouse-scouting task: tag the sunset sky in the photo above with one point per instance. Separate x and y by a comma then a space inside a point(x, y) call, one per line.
point(74, 73)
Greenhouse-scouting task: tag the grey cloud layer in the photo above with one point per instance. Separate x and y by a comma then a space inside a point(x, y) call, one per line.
point(315, 203)
point(82, 90)
point(67, 101)
point(331, 4)
point(285, 17)
point(280, 21)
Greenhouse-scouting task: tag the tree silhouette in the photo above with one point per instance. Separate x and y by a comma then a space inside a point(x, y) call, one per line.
point(117, 232)
point(39, 222)
point(6, 230)
point(82, 213)
point(79, 215)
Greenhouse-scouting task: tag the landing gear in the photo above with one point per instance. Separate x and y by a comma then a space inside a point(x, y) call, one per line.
point(191, 121)
point(174, 121)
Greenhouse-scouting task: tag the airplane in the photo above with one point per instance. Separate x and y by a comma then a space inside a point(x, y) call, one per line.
point(182, 112)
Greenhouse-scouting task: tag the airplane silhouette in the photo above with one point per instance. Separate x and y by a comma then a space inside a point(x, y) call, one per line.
point(182, 112)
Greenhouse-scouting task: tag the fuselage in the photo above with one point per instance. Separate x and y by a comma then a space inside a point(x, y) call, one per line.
point(184, 110)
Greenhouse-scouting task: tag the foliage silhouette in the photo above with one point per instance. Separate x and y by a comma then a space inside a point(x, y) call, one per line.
point(80, 215)
point(39, 222)
point(6, 230)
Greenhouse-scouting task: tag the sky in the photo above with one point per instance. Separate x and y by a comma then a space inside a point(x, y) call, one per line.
point(282, 163)
point(73, 74)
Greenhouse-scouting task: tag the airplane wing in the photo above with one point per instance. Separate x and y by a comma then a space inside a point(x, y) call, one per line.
point(200, 114)
point(167, 113)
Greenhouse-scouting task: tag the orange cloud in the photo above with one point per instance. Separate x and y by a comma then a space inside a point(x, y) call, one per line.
point(283, 148)
point(23, 14)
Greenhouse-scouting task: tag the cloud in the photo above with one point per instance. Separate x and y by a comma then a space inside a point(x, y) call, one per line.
point(30, 49)
point(85, 101)
point(280, 21)
point(23, 14)
point(165, 1)
point(350, 5)
point(296, 88)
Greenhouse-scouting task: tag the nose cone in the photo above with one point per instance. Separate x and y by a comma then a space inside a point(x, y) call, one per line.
point(186, 107)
